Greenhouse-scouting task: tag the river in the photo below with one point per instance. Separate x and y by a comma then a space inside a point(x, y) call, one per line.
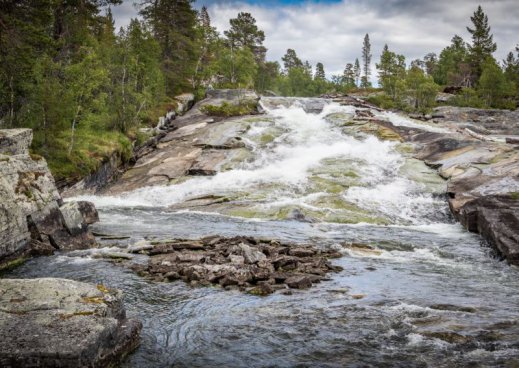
point(428, 293)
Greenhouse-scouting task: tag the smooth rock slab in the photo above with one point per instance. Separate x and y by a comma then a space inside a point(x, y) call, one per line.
point(63, 323)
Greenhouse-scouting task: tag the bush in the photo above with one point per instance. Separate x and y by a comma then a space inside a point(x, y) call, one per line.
point(227, 109)
point(382, 100)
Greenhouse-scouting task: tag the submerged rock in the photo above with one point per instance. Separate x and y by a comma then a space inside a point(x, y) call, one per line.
point(63, 323)
point(257, 266)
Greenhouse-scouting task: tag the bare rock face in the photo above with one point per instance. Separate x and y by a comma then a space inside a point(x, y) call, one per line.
point(31, 209)
point(63, 323)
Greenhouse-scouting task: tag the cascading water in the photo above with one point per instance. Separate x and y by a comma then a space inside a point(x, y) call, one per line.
point(425, 294)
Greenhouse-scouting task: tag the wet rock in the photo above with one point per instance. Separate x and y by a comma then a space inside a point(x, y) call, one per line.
point(63, 323)
point(497, 219)
point(250, 254)
point(299, 282)
point(448, 336)
point(257, 266)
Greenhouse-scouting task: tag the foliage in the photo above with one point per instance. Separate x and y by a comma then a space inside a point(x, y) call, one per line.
point(227, 109)
point(482, 42)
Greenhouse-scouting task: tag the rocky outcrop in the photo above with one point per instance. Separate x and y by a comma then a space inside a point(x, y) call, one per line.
point(496, 218)
point(63, 323)
point(257, 266)
point(193, 144)
point(33, 217)
point(481, 169)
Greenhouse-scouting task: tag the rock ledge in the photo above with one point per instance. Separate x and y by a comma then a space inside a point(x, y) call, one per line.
point(63, 323)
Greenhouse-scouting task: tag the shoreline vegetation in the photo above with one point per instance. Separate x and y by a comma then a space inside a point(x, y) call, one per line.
point(87, 89)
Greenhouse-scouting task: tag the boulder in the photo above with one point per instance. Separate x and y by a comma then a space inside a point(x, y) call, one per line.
point(30, 210)
point(63, 323)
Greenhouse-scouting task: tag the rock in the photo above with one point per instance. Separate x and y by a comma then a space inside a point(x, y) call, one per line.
point(251, 255)
point(444, 97)
point(15, 141)
point(252, 265)
point(496, 218)
point(88, 211)
point(301, 252)
point(299, 282)
point(296, 215)
point(261, 290)
point(185, 102)
point(63, 323)
point(30, 203)
point(72, 217)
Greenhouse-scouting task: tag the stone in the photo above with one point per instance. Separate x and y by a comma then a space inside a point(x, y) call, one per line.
point(299, 282)
point(63, 323)
point(72, 217)
point(250, 254)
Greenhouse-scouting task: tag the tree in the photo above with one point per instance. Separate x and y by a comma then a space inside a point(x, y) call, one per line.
point(244, 33)
point(290, 60)
point(207, 44)
point(366, 62)
point(493, 87)
point(430, 63)
point(172, 23)
point(391, 70)
point(348, 76)
point(482, 42)
point(452, 67)
point(356, 70)
point(420, 88)
point(319, 72)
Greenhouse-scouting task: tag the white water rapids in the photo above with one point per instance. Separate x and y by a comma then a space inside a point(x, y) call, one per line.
point(306, 147)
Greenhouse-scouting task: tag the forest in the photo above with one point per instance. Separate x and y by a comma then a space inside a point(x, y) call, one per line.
point(85, 88)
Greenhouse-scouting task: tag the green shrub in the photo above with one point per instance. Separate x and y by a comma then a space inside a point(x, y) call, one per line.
point(227, 109)
point(382, 100)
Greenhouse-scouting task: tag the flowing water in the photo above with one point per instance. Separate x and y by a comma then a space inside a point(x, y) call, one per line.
point(428, 294)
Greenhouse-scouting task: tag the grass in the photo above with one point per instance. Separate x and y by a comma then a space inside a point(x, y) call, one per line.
point(227, 109)
point(91, 149)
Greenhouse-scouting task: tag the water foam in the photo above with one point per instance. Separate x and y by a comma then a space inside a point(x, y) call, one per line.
point(282, 170)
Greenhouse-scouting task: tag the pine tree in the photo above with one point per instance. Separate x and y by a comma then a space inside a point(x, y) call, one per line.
point(356, 70)
point(482, 42)
point(348, 76)
point(319, 72)
point(290, 60)
point(366, 62)
point(244, 33)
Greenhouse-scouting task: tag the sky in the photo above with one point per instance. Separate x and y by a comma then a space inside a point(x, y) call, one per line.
point(332, 31)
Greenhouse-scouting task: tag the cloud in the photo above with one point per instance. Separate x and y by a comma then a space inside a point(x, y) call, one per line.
point(331, 32)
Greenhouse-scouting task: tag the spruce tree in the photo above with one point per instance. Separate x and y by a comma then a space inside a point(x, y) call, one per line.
point(366, 62)
point(483, 44)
